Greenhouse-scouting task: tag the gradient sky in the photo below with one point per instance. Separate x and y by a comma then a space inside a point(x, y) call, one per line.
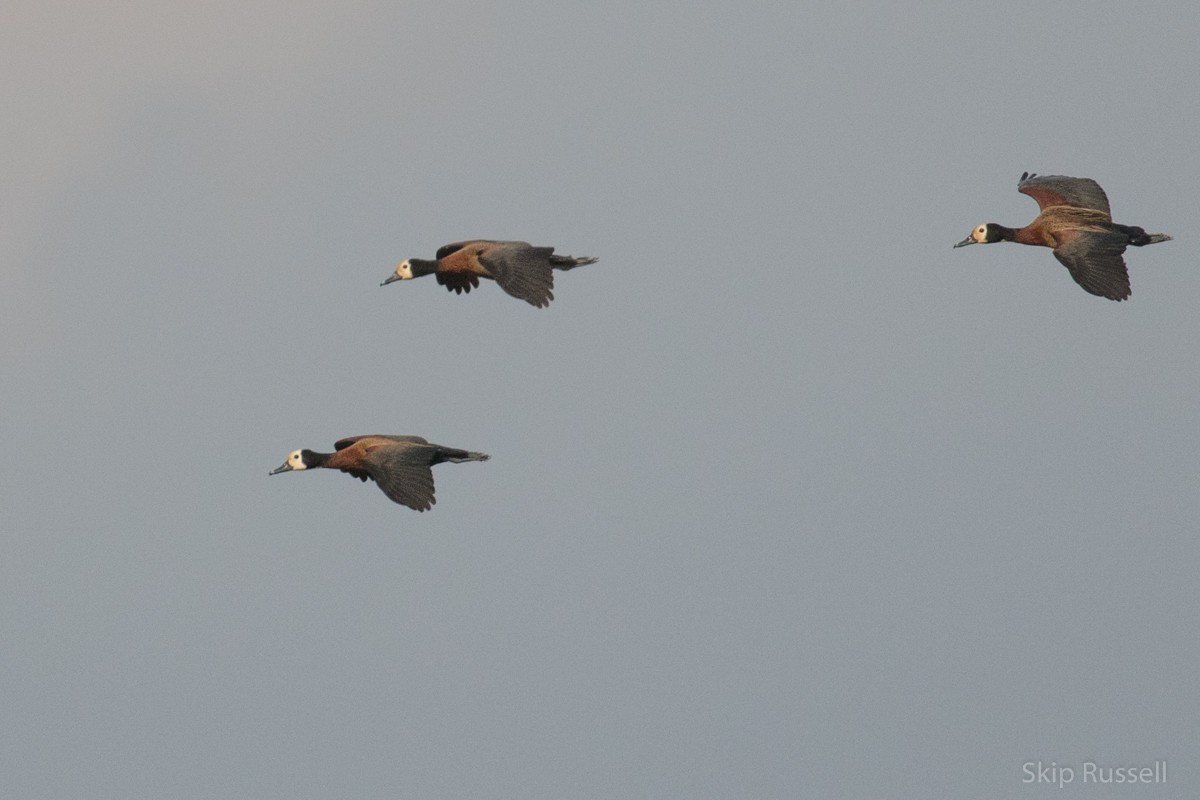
point(787, 498)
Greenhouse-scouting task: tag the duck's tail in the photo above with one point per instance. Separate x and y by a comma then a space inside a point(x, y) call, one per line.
point(1139, 238)
point(456, 456)
point(570, 262)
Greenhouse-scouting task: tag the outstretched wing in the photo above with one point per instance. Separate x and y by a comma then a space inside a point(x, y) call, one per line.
point(370, 441)
point(458, 282)
point(342, 444)
point(1059, 190)
point(1094, 260)
point(458, 270)
point(521, 270)
point(447, 249)
point(402, 471)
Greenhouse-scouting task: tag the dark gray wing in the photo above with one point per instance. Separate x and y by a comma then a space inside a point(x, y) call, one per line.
point(453, 247)
point(1094, 260)
point(522, 270)
point(1060, 190)
point(342, 444)
point(402, 472)
point(458, 282)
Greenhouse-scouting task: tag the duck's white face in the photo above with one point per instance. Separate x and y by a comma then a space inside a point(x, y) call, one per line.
point(294, 461)
point(402, 272)
point(978, 236)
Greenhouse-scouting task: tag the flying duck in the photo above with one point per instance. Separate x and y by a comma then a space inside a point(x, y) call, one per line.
point(521, 269)
point(399, 464)
point(1076, 222)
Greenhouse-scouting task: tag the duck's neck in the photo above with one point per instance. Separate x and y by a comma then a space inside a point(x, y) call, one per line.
point(1006, 234)
point(420, 266)
point(313, 459)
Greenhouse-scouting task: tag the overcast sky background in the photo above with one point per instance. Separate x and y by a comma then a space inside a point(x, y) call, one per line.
point(787, 498)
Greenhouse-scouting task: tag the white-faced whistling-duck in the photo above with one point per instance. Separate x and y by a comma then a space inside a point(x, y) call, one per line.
point(1076, 222)
point(521, 269)
point(399, 464)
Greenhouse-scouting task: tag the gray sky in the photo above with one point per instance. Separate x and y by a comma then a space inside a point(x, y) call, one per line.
point(787, 498)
